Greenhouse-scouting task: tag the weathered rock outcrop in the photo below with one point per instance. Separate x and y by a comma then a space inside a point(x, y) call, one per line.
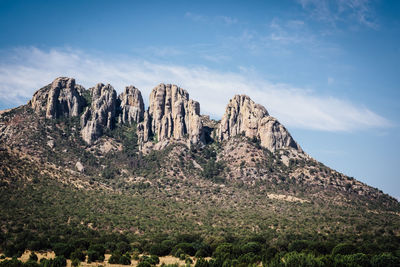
point(132, 106)
point(243, 116)
point(63, 98)
point(171, 115)
point(101, 114)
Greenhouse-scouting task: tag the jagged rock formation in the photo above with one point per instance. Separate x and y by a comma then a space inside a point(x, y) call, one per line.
point(63, 98)
point(100, 114)
point(243, 116)
point(171, 115)
point(132, 106)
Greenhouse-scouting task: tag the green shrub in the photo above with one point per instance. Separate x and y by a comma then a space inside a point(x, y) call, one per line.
point(249, 247)
point(33, 257)
point(201, 262)
point(385, 259)
point(78, 255)
point(344, 249)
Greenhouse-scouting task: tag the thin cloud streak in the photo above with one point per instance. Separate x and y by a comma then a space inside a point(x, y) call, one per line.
point(334, 12)
point(31, 68)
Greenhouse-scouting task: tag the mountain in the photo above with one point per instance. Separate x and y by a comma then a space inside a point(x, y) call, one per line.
point(89, 163)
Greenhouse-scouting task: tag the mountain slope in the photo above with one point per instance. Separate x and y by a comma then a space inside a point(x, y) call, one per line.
point(75, 162)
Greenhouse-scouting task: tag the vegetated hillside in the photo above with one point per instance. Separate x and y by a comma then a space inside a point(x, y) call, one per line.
point(66, 177)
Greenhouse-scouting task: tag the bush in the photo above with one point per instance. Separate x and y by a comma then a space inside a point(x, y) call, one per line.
point(75, 262)
point(359, 259)
point(299, 245)
point(59, 261)
point(344, 249)
point(117, 258)
point(201, 262)
point(96, 253)
point(385, 259)
point(161, 249)
point(253, 247)
point(33, 257)
point(294, 259)
point(62, 249)
point(78, 255)
point(123, 247)
point(186, 248)
point(11, 263)
point(125, 259)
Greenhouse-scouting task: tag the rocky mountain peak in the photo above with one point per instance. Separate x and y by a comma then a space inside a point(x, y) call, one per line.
point(61, 98)
point(244, 116)
point(132, 106)
point(171, 114)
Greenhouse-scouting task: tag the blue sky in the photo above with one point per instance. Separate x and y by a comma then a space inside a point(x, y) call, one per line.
point(328, 70)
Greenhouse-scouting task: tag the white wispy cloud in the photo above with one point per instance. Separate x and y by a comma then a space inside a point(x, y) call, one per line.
point(28, 69)
point(338, 11)
point(227, 20)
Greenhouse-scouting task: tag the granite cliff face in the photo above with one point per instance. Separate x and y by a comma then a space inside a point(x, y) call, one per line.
point(243, 116)
point(63, 98)
point(171, 115)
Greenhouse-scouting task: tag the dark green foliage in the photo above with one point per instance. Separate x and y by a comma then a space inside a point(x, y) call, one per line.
point(33, 257)
point(144, 264)
point(212, 169)
point(63, 249)
point(14, 262)
point(148, 261)
point(118, 258)
point(96, 253)
point(75, 262)
point(186, 248)
point(251, 247)
point(385, 259)
point(201, 262)
point(295, 259)
point(344, 249)
point(161, 249)
point(123, 247)
point(358, 259)
point(299, 245)
point(58, 261)
point(78, 254)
